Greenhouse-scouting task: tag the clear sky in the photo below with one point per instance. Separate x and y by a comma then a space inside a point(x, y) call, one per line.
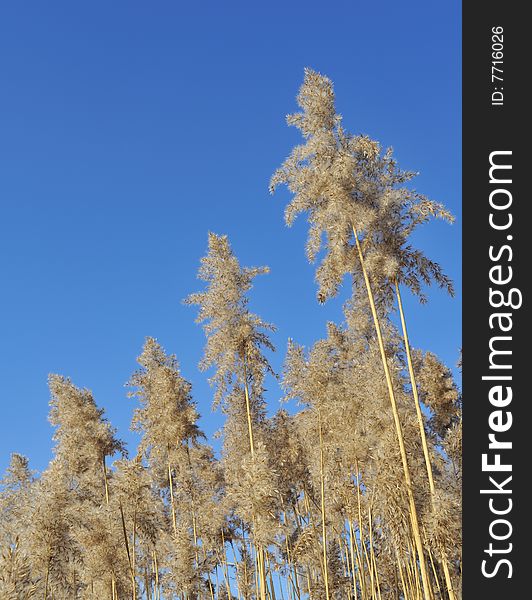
point(130, 129)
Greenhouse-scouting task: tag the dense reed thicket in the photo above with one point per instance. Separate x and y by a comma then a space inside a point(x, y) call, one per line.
point(354, 496)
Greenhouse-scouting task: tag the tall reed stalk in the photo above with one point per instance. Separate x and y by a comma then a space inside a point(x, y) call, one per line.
point(428, 464)
point(398, 428)
point(323, 512)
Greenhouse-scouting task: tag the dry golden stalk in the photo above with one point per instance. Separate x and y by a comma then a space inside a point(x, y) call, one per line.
point(352, 559)
point(262, 572)
point(225, 569)
point(421, 425)
point(323, 523)
point(414, 391)
point(172, 501)
point(272, 587)
point(248, 411)
point(372, 553)
point(147, 583)
point(292, 573)
point(260, 551)
point(236, 568)
point(434, 573)
point(447, 574)
point(105, 482)
point(401, 575)
point(415, 565)
point(361, 533)
point(347, 556)
point(211, 590)
point(254, 550)
point(411, 581)
point(46, 580)
point(106, 488)
point(133, 553)
point(194, 530)
point(156, 571)
point(398, 427)
point(129, 557)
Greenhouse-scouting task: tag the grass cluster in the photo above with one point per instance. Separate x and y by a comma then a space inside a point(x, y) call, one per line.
point(354, 496)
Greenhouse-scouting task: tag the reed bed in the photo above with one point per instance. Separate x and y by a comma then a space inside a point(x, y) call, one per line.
point(355, 495)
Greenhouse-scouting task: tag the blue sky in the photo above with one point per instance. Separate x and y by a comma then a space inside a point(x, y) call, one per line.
point(130, 129)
